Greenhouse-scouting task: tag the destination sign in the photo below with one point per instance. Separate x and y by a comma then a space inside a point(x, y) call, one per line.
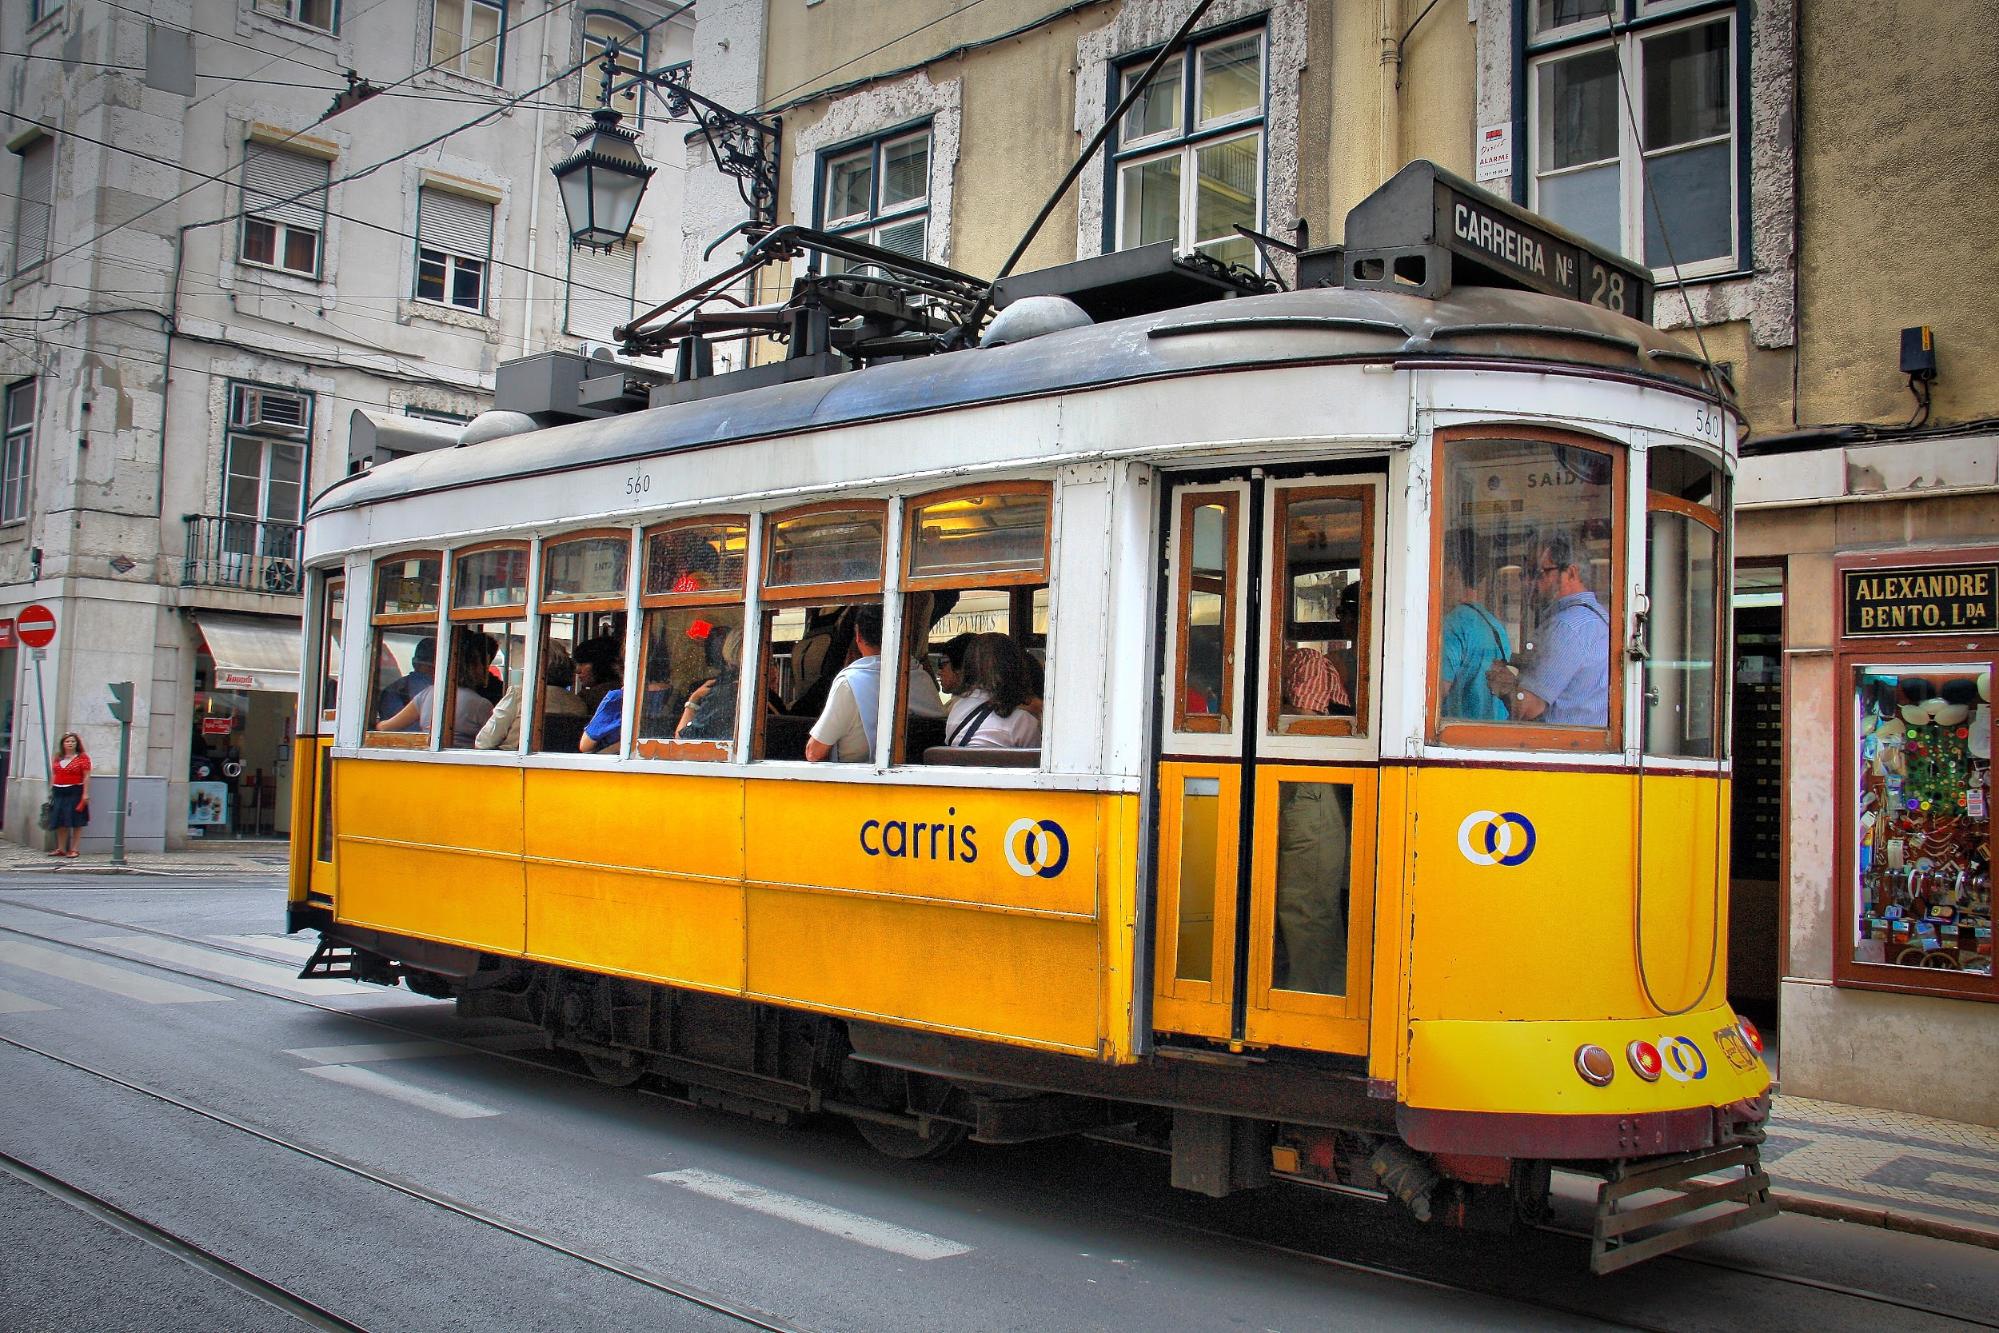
point(1483, 228)
point(1922, 599)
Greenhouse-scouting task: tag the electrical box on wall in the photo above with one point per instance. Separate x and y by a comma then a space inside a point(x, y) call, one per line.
point(1919, 352)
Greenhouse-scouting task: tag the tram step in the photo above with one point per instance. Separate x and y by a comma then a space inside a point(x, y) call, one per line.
point(331, 959)
point(1624, 1235)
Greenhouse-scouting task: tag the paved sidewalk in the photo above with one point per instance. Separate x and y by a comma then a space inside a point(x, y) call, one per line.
point(1885, 1168)
point(1852, 1163)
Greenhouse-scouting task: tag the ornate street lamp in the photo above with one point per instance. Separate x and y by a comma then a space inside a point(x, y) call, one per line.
point(603, 180)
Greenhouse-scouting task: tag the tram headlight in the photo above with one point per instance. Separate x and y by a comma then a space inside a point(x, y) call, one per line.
point(1749, 1034)
point(1595, 1065)
point(1644, 1059)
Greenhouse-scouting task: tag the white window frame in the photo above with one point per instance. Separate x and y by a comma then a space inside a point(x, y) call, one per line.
point(247, 430)
point(17, 458)
point(292, 11)
point(1632, 157)
point(632, 42)
point(281, 231)
point(454, 262)
point(868, 225)
point(460, 61)
point(1187, 137)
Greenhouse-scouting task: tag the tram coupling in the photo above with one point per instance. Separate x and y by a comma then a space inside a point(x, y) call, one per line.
point(1719, 1190)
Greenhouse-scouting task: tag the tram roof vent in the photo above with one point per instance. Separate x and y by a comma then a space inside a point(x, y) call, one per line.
point(1032, 317)
point(497, 424)
point(1427, 231)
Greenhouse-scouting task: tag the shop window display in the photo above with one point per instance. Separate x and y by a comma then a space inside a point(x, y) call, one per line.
point(1923, 841)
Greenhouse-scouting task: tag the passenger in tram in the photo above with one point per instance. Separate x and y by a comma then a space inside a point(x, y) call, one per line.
point(469, 708)
point(1472, 639)
point(603, 658)
point(423, 667)
point(819, 656)
point(951, 663)
point(502, 730)
point(600, 664)
point(1312, 842)
point(491, 687)
point(992, 712)
point(1567, 680)
point(845, 731)
point(710, 712)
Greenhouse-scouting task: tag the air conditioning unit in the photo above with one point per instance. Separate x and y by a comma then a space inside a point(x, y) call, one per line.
point(274, 410)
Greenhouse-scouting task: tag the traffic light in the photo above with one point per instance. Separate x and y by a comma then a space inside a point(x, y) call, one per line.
point(121, 700)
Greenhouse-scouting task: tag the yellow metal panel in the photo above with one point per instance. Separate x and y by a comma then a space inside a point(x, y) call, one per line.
point(1196, 910)
point(1684, 912)
point(1119, 929)
point(1030, 849)
point(1530, 1067)
point(305, 785)
point(1024, 980)
point(652, 821)
point(431, 850)
point(1388, 1026)
point(659, 927)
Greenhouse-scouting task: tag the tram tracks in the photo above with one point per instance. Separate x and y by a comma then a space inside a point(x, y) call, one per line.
point(761, 1319)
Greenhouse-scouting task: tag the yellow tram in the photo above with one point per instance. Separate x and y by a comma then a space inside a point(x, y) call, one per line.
point(1359, 814)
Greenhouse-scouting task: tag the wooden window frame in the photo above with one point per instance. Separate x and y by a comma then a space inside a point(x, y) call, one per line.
point(499, 611)
point(371, 738)
point(1278, 608)
point(1850, 654)
point(1019, 611)
point(547, 605)
point(1222, 723)
point(814, 594)
point(915, 504)
point(1532, 737)
point(704, 751)
point(1661, 502)
point(332, 586)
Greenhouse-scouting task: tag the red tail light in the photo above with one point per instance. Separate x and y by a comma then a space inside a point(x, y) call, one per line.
point(1645, 1061)
point(1750, 1034)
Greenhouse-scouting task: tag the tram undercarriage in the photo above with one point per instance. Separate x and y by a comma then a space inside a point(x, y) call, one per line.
point(1227, 1121)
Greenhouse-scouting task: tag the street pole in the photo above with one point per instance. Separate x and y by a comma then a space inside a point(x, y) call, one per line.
point(121, 708)
point(42, 708)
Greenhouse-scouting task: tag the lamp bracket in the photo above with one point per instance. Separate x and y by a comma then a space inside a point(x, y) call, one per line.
point(743, 146)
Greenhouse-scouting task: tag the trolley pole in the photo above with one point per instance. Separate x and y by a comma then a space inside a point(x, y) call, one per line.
point(121, 708)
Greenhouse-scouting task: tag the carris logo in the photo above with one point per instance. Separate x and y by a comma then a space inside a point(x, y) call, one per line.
point(1488, 838)
point(1682, 1059)
point(1036, 847)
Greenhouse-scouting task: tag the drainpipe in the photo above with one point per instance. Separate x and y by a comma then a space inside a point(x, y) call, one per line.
point(534, 199)
point(1388, 142)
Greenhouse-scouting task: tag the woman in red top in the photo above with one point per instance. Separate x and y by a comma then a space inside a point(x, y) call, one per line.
point(71, 783)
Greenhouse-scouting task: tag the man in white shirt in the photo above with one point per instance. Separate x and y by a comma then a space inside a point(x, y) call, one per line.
point(845, 731)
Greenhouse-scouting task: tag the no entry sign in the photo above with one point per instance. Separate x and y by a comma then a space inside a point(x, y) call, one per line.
point(36, 625)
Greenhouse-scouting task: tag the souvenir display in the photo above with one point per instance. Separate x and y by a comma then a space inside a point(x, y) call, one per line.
point(1923, 838)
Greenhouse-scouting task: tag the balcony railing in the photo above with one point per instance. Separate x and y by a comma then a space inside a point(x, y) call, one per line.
point(254, 555)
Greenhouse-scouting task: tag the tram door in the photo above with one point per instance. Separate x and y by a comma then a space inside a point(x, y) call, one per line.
point(314, 753)
point(1268, 761)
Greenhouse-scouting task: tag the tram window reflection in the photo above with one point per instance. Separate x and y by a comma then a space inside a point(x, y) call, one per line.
point(405, 646)
point(489, 587)
point(1683, 559)
point(1526, 581)
point(1204, 696)
point(693, 644)
point(1325, 559)
point(582, 600)
point(1314, 831)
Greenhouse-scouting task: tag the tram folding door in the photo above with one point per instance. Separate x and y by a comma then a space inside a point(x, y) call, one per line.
point(1268, 761)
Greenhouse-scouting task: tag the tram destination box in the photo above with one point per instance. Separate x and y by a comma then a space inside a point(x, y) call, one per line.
point(1427, 231)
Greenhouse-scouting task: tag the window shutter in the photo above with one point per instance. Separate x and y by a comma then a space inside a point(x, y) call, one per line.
point(31, 240)
point(454, 223)
point(281, 186)
point(601, 283)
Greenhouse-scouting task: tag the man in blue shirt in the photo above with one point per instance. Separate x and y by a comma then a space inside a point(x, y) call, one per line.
point(1567, 682)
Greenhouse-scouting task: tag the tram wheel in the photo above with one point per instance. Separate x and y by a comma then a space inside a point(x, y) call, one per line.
point(906, 1145)
point(611, 1072)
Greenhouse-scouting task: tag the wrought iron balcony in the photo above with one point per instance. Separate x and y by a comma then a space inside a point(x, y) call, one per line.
point(253, 555)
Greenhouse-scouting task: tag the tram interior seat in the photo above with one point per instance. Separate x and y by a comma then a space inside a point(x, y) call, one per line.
point(785, 735)
point(559, 734)
point(924, 735)
point(959, 757)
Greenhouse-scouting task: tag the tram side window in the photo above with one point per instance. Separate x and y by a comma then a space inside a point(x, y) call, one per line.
point(975, 626)
point(1528, 567)
point(335, 615)
point(580, 707)
point(693, 627)
point(405, 649)
point(1683, 567)
point(1204, 697)
point(822, 583)
point(489, 589)
point(1323, 551)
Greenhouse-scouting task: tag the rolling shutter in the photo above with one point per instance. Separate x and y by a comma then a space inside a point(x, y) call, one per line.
point(287, 187)
point(31, 238)
point(454, 224)
point(600, 289)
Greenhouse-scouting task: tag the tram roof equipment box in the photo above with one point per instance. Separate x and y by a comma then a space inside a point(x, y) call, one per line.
point(1427, 231)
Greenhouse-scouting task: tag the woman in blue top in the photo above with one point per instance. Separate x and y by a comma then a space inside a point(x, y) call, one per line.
point(604, 658)
point(1472, 639)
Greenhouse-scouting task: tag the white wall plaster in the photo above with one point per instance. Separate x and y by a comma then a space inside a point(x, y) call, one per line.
point(1139, 25)
point(880, 107)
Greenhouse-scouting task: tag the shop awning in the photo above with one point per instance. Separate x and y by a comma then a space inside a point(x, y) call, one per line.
point(252, 654)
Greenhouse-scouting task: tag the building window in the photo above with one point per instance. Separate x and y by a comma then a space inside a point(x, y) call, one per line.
point(263, 470)
point(1633, 122)
point(600, 292)
point(432, 414)
point(454, 249)
point(599, 32)
point(284, 209)
point(1189, 161)
point(18, 458)
point(467, 37)
point(34, 204)
point(41, 9)
point(321, 14)
point(878, 192)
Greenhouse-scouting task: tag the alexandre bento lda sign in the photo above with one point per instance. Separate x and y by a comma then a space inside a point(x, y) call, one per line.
point(1922, 599)
point(1470, 236)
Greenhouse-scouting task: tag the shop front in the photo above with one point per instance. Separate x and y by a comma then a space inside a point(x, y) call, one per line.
point(1890, 639)
point(244, 709)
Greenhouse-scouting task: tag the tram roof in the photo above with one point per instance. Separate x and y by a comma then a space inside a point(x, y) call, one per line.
point(1321, 324)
